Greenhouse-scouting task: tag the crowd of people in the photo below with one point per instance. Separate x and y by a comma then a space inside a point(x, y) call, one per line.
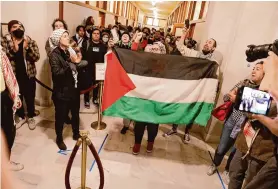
point(72, 58)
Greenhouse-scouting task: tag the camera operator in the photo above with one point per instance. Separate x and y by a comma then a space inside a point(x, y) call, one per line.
point(206, 53)
point(267, 177)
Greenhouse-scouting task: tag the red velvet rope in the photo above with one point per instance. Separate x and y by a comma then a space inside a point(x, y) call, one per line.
point(72, 156)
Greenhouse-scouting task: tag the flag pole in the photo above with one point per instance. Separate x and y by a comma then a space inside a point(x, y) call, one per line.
point(99, 124)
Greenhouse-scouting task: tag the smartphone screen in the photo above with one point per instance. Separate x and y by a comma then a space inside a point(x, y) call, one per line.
point(253, 101)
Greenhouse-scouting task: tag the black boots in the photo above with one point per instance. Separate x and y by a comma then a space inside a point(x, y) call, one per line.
point(124, 130)
point(76, 136)
point(60, 143)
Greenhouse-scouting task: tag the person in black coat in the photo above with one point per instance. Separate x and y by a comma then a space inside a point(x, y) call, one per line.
point(93, 52)
point(80, 38)
point(65, 91)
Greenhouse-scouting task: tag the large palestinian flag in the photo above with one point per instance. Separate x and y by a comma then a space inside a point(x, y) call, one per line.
point(159, 88)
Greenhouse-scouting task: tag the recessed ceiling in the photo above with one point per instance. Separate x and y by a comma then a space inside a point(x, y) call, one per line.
point(164, 8)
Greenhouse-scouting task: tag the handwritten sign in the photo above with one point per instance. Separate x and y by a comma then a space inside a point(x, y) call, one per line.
point(100, 71)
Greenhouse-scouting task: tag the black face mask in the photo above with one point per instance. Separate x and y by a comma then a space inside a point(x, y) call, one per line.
point(18, 33)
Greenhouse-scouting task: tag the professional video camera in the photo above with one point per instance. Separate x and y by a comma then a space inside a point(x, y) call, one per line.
point(260, 51)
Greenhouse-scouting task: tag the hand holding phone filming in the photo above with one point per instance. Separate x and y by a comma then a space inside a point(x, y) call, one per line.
point(253, 101)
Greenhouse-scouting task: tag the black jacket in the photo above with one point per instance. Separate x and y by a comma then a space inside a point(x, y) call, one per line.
point(62, 77)
point(83, 42)
point(93, 53)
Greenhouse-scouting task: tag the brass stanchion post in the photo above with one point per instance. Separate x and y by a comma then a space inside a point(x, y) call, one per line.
point(85, 141)
point(84, 135)
point(99, 124)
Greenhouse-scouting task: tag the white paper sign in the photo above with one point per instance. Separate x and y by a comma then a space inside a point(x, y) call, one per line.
point(100, 71)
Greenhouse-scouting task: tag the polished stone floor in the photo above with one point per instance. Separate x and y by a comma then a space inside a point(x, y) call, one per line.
point(173, 164)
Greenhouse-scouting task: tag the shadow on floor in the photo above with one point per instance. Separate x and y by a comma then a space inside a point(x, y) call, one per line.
point(166, 148)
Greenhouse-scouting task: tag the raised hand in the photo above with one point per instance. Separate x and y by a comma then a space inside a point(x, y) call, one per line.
point(138, 37)
point(111, 43)
point(26, 41)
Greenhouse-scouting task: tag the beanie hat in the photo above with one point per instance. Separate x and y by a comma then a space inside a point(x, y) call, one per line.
point(104, 33)
point(13, 22)
point(55, 37)
point(126, 32)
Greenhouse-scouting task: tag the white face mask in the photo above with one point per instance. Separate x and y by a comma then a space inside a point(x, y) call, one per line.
point(105, 39)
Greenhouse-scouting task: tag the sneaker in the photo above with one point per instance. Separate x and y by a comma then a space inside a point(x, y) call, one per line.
point(211, 170)
point(19, 122)
point(16, 166)
point(87, 105)
point(124, 130)
point(76, 136)
point(225, 177)
point(136, 149)
point(169, 133)
point(95, 102)
point(61, 145)
point(31, 123)
point(186, 138)
point(150, 147)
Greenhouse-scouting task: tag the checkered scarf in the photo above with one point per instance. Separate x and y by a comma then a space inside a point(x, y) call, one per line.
point(157, 47)
point(55, 37)
point(10, 80)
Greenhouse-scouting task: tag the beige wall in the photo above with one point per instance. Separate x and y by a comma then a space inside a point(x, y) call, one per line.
point(122, 20)
point(75, 14)
point(130, 22)
point(109, 19)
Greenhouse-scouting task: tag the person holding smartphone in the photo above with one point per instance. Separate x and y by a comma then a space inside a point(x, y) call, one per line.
point(249, 159)
point(267, 177)
point(233, 123)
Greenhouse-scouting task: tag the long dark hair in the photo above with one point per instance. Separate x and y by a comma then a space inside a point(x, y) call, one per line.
point(89, 21)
